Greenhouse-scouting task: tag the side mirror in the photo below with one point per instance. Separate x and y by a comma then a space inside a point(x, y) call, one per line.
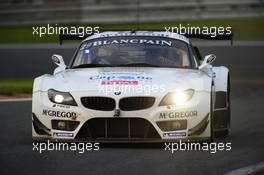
point(58, 60)
point(208, 59)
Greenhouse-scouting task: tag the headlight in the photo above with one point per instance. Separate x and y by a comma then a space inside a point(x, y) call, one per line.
point(61, 97)
point(177, 98)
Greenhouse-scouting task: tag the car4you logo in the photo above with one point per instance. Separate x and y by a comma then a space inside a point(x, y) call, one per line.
point(120, 79)
point(60, 114)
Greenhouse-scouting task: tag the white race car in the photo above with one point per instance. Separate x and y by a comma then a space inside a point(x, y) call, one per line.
point(147, 86)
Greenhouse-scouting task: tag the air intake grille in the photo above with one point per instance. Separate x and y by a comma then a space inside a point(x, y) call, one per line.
point(136, 103)
point(117, 128)
point(99, 103)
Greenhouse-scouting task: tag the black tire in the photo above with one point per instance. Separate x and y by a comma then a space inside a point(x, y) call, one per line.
point(223, 133)
point(211, 116)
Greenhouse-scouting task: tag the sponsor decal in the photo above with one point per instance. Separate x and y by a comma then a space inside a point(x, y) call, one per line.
point(121, 77)
point(123, 71)
point(87, 45)
point(125, 77)
point(174, 134)
point(132, 41)
point(141, 33)
point(60, 114)
point(63, 134)
point(61, 106)
point(173, 115)
point(119, 82)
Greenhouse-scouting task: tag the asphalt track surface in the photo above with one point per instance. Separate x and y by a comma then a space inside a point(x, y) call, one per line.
point(247, 71)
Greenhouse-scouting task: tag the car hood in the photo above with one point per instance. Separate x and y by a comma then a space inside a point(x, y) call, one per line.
point(92, 79)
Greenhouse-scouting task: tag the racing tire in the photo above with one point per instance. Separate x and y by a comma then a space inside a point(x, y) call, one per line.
point(227, 113)
point(211, 116)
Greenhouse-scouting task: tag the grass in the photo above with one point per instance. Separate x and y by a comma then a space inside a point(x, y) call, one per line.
point(15, 86)
point(244, 29)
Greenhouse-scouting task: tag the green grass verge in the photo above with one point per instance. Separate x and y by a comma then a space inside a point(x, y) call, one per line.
point(17, 85)
point(244, 29)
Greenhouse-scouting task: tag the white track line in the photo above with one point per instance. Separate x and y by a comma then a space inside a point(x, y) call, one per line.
point(247, 170)
point(15, 100)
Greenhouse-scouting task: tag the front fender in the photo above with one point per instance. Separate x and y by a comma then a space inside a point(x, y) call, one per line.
point(221, 78)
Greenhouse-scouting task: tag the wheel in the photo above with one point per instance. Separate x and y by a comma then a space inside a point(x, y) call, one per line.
point(223, 133)
point(222, 118)
point(212, 116)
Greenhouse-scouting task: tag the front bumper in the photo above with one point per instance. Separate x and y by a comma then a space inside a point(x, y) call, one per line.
point(190, 122)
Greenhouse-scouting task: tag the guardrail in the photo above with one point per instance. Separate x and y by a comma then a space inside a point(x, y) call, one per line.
point(98, 11)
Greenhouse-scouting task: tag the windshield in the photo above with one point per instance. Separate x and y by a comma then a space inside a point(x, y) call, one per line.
point(133, 51)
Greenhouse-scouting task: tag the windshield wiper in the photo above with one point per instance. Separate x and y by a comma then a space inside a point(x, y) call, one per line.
point(139, 65)
point(92, 65)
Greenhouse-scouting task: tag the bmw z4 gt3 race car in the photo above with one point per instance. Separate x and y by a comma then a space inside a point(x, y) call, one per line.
point(132, 86)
